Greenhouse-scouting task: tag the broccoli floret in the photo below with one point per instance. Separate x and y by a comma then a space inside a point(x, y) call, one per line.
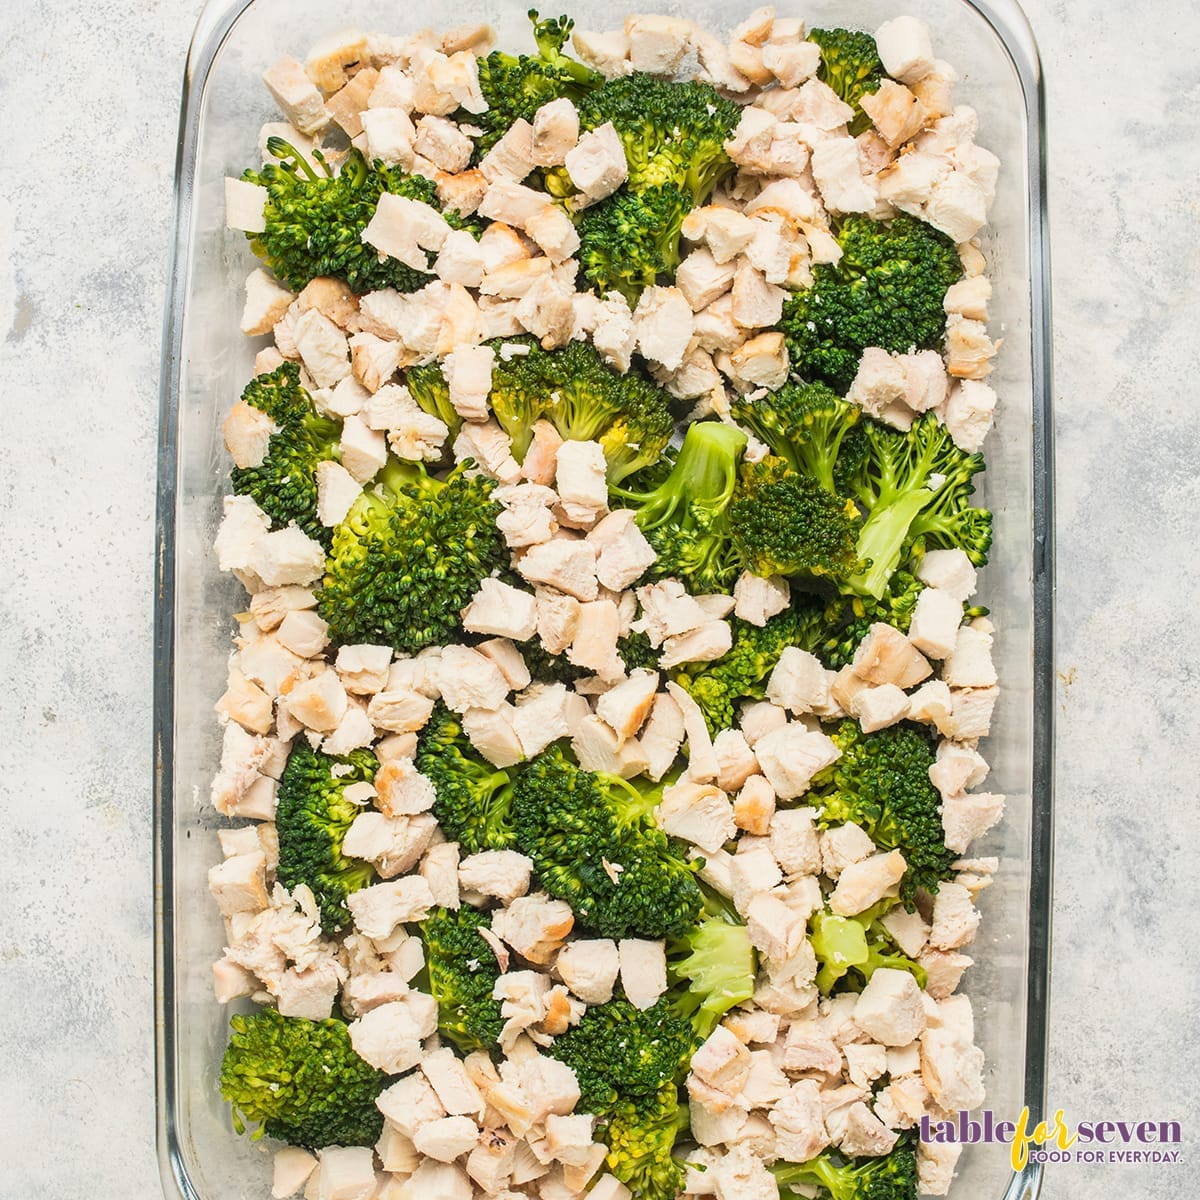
point(850, 64)
point(887, 290)
point(860, 944)
point(315, 219)
point(409, 556)
point(284, 485)
point(848, 619)
point(631, 239)
point(585, 400)
point(741, 673)
point(302, 1080)
point(516, 86)
point(674, 136)
point(594, 843)
point(711, 967)
point(473, 798)
point(428, 387)
point(685, 516)
point(881, 782)
point(462, 971)
point(641, 1135)
point(915, 489)
point(784, 523)
point(312, 816)
point(811, 428)
point(892, 1177)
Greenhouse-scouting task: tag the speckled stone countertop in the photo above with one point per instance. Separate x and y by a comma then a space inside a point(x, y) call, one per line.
point(90, 92)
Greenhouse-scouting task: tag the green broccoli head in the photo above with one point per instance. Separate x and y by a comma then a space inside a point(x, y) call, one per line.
point(742, 672)
point(312, 817)
point(887, 290)
point(474, 798)
point(315, 219)
point(685, 516)
point(409, 556)
point(629, 241)
point(915, 490)
point(711, 967)
point(641, 1135)
point(860, 944)
point(784, 523)
point(594, 843)
point(672, 132)
point(585, 400)
point(892, 1177)
point(810, 427)
point(881, 782)
point(428, 387)
point(301, 1080)
point(850, 64)
point(284, 485)
point(462, 973)
point(516, 86)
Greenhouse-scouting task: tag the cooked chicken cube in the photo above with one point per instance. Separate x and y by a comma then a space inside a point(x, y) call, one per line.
point(534, 926)
point(707, 642)
point(589, 968)
point(500, 609)
point(799, 1123)
point(865, 883)
point(969, 665)
point(879, 707)
point(580, 481)
point(758, 599)
point(596, 163)
point(864, 1134)
point(889, 1008)
point(643, 970)
point(955, 918)
point(512, 156)
point(565, 563)
point(791, 756)
point(949, 570)
point(697, 813)
point(896, 113)
point(952, 1069)
point(239, 884)
point(662, 735)
point(885, 655)
point(389, 1037)
point(493, 733)
point(501, 874)
point(702, 759)
point(798, 683)
point(966, 817)
point(470, 680)
point(699, 277)
point(905, 48)
point(663, 325)
point(969, 412)
point(377, 910)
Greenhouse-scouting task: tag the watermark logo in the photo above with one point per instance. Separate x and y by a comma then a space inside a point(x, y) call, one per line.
point(1058, 1141)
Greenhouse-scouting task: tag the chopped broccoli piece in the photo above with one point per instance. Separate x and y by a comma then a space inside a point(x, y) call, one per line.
point(887, 290)
point(892, 1177)
point(409, 556)
point(474, 798)
point(848, 619)
point(302, 1080)
point(428, 387)
point(850, 64)
point(641, 1135)
point(315, 219)
point(284, 485)
point(860, 944)
point(881, 782)
point(516, 86)
point(462, 972)
point(594, 844)
point(312, 817)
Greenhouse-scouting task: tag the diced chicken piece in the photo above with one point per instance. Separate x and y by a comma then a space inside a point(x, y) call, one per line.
point(969, 297)
point(296, 95)
point(239, 884)
point(626, 706)
point(896, 113)
point(909, 930)
point(580, 481)
point(761, 718)
point(443, 143)
point(697, 813)
point(935, 622)
point(246, 703)
point(447, 1138)
point(322, 346)
point(865, 883)
point(526, 519)
point(490, 448)
point(534, 926)
point(589, 968)
point(735, 760)
point(266, 303)
point(885, 655)
point(319, 703)
point(791, 756)
point(541, 717)
point(657, 44)
point(702, 759)
point(303, 633)
point(373, 361)
point(565, 563)
point(762, 361)
point(842, 845)
point(501, 874)
point(394, 844)
point(905, 48)
point(756, 303)
point(943, 971)
point(596, 164)
point(879, 707)
point(835, 167)
point(389, 1037)
point(969, 665)
point(668, 610)
point(410, 1103)
point(957, 205)
point(955, 918)
point(935, 1166)
point(512, 156)
point(454, 1088)
point(950, 570)
point(345, 1173)
point(364, 451)
point(952, 1069)
point(708, 642)
point(594, 645)
point(553, 232)
point(439, 869)
point(969, 412)
point(758, 599)
point(971, 712)
point(798, 682)
point(378, 909)
point(864, 1134)
point(508, 659)
point(469, 378)
point(292, 1167)
point(957, 768)
point(662, 735)
point(348, 103)
point(614, 335)
point(722, 1062)
point(493, 734)
point(643, 971)
point(502, 610)
point(889, 1008)
point(799, 1123)
point(555, 132)
point(596, 747)
point(701, 278)
point(390, 135)
point(400, 710)
point(557, 619)
point(607, 53)
point(623, 555)
point(470, 680)
point(778, 932)
point(966, 817)
point(663, 325)
point(751, 140)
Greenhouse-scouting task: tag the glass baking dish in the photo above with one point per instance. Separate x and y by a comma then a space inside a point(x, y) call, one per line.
point(206, 362)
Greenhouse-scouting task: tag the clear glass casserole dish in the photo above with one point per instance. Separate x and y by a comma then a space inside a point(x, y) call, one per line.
point(206, 362)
